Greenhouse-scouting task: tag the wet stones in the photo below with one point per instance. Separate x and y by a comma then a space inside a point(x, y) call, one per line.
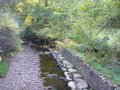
point(75, 81)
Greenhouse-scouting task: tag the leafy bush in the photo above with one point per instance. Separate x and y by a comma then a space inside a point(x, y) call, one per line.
point(9, 41)
point(9, 34)
point(88, 24)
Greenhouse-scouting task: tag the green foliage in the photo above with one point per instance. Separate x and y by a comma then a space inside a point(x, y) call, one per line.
point(9, 29)
point(92, 25)
point(3, 69)
point(6, 20)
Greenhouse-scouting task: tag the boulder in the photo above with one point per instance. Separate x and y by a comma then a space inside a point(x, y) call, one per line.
point(67, 64)
point(72, 85)
point(66, 73)
point(71, 70)
point(60, 64)
point(81, 84)
point(77, 76)
point(68, 78)
point(54, 56)
point(60, 60)
point(63, 69)
point(60, 56)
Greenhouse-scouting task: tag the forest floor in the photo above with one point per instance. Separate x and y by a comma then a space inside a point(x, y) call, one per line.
point(24, 72)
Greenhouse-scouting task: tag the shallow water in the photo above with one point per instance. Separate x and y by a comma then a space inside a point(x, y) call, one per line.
point(51, 73)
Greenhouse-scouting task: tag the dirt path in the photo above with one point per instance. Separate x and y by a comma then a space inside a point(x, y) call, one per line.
point(24, 72)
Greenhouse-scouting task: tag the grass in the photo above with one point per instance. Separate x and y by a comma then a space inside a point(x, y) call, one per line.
point(3, 69)
point(111, 71)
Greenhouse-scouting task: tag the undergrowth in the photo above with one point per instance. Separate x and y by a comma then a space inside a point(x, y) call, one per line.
point(3, 69)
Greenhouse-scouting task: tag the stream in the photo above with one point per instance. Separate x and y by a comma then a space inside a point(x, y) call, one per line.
point(52, 75)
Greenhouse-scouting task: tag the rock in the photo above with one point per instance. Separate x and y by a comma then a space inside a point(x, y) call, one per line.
point(61, 65)
point(67, 64)
point(71, 70)
point(63, 69)
point(81, 84)
point(68, 78)
point(49, 87)
point(72, 85)
point(52, 76)
point(0, 58)
point(41, 53)
point(57, 52)
point(47, 53)
point(117, 88)
point(77, 76)
point(66, 73)
point(62, 78)
point(55, 56)
point(60, 60)
point(60, 56)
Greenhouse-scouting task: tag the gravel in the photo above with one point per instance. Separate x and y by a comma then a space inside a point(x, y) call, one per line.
point(24, 72)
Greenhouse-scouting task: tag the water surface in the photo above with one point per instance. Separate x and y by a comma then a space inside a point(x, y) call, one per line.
point(51, 74)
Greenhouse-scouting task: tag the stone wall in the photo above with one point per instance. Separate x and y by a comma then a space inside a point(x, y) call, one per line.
point(95, 81)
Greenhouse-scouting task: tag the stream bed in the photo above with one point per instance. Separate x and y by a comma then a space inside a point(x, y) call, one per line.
point(52, 75)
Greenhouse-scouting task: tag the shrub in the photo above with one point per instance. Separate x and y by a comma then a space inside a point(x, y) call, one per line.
point(9, 42)
point(3, 69)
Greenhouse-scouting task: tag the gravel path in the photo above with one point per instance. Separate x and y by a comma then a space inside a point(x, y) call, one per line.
point(24, 72)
